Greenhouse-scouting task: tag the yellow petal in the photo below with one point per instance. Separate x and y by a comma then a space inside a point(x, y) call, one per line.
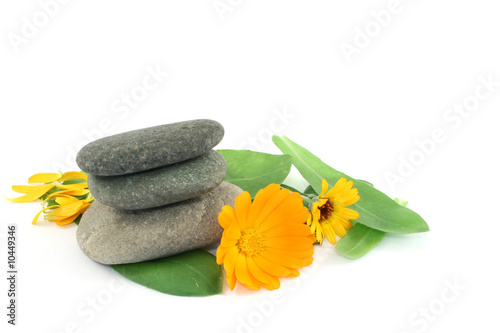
point(65, 200)
point(44, 177)
point(72, 175)
point(347, 224)
point(339, 229)
point(64, 211)
point(324, 187)
point(329, 233)
point(33, 195)
point(348, 214)
point(67, 220)
point(25, 188)
point(40, 212)
point(75, 193)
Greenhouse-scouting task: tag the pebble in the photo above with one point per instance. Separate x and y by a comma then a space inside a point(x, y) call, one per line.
point(149, 148)
point(161, 186)
point(116, 236)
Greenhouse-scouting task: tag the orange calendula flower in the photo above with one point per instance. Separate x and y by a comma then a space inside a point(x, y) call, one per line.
point(264, 239)
point(329, 216)
point(65, 195)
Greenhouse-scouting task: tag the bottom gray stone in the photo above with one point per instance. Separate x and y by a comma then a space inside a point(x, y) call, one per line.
point(117, 236)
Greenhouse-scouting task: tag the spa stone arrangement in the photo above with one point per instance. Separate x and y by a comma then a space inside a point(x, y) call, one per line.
point(158, 192)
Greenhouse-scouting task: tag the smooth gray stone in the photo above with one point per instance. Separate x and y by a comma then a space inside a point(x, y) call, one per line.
point(161, 186)
point(115, 236)
point(149, 148)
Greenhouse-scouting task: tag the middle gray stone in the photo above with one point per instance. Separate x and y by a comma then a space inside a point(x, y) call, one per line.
point(161, 186)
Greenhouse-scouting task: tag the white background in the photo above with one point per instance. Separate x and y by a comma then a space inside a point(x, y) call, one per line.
point(62, 84)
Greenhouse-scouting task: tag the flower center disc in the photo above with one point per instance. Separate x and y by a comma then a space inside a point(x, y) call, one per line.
point(251, 242)
point(326, 211)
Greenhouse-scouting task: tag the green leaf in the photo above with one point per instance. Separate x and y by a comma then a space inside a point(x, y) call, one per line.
point(376, 209)
point(309, 190)
point(194, 273)
point(252, 171)
point(367, 183)
point(292, 189)
point(359, 241)
point(73, 181)
point(362, 239)
point(401, 202)
point(77, 220)
point(51, 202)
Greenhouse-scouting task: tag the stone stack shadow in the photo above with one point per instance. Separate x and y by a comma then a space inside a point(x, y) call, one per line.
point(158, 192)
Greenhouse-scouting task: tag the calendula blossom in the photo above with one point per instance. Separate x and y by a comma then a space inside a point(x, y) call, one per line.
point(329, 216)
point(65, 195)
point(264, 239)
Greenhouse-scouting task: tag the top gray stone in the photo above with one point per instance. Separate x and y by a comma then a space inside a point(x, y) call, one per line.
point(149, 148)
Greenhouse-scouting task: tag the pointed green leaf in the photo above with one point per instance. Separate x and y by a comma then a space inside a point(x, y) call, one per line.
point(359, 241)
point(309, 190)
point(401, 202)
point(292, 189)
point(252, 171)
point(376, 209)
point(77, 220)
point(367, 183)
point(73, 181)
point(194, 273)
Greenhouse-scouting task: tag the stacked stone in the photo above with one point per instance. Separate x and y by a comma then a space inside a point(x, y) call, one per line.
point(158, 192)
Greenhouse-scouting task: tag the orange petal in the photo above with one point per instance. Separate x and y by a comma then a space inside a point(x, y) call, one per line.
point(230, 263)
point(221, 253)
point(289, 243)
point(291, 211)
point(296, 254)
point(227, 216)
point(231, 280)
point(282, 230)
point(286, 260)
point(243, 274)
point(261, 198)
point(271, 267)
point(233, 232)
point(269, 282)
point(272, 204)
point(227, 242)
point(242, 207)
